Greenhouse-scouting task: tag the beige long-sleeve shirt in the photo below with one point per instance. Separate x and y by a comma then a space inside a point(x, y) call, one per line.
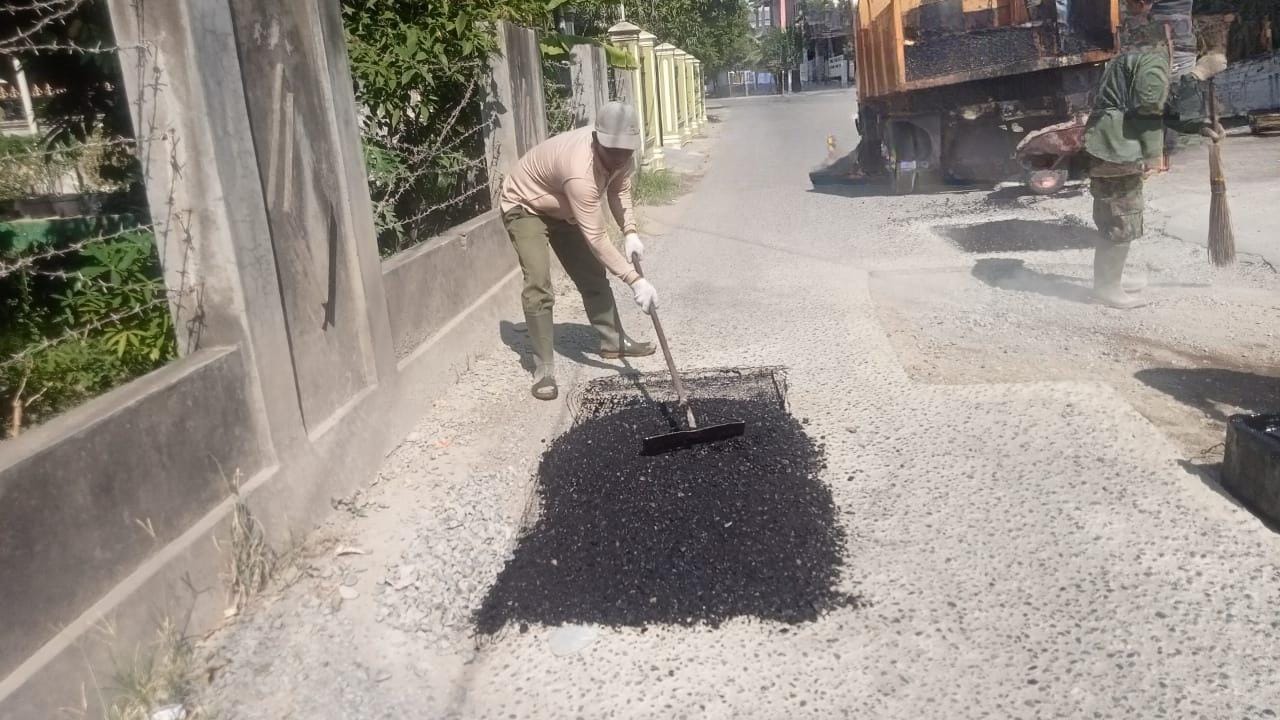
point(562, 178)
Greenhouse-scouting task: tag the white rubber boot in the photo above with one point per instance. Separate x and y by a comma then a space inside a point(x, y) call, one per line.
point(1108, 269)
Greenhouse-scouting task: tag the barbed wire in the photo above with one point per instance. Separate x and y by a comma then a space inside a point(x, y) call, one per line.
point(48, 151)
point(13, 7)
point(121, 300)
point(424, 165)
point(24, 262)
point(57, 10)
point(451, 202)
point(425, 168)
point(27, 48)
point(79, 332)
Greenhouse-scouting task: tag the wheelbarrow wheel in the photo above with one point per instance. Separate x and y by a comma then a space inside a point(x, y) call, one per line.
point(1046, 182)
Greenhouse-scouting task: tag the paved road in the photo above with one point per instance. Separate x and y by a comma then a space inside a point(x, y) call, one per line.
point(1026, 550)
point(1252, 165)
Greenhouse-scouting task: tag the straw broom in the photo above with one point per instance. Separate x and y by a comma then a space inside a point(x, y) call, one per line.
point(1222, 241)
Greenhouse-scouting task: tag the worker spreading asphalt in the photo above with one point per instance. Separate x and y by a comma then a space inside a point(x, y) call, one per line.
point(743, 527)
point(1026, 543)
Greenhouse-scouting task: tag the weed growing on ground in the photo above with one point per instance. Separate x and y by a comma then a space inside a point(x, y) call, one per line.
point(160, 675)
point(655, 187)
point(252, 560)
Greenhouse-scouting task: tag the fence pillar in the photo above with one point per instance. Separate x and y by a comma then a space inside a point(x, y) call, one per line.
point(700, 88)
point(500, 147)
point(668, 97)
point(181, 72)
point(682, 94)
point(649, 90)
point(695, 119)
point(515, 110)
point(589, 82)
point(525, 98)
point(630, 82)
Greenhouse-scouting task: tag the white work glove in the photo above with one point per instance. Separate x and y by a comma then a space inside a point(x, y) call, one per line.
point(645, 295)
point(1209, 65)
point(633, 247)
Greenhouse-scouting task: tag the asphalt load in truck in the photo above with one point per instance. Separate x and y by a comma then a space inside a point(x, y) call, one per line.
point(977, 50)
point(743, 527)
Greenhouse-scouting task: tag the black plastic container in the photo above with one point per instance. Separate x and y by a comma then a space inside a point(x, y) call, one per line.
point(1251, 466)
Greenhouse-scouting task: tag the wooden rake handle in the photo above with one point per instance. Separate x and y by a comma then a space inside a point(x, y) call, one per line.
point(666, 353)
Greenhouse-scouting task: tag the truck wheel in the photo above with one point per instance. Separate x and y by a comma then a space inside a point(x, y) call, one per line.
point(907, 152)
point(904, 180)
point(1046, 182)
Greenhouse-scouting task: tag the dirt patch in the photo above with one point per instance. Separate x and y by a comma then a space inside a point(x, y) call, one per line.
point(743, 527)
point(1194, 357)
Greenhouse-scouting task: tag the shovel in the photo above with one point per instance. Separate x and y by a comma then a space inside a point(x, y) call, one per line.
point(695, 434)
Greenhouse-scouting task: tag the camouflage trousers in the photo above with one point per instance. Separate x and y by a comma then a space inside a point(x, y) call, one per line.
point(1117, 207)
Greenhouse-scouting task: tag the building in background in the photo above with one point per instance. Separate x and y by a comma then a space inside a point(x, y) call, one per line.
point(826, 28)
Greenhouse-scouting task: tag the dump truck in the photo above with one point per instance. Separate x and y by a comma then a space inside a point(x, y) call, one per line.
point(948, 89)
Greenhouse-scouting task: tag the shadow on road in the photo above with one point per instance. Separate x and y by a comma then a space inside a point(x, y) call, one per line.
point(1218, 393)
point(880, 188)
point(1210, 474)
point(1018, 235)
point(1013, 274)
point(1210, 390)
point(573, 341)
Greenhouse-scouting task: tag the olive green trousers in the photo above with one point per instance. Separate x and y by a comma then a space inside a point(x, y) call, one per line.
point(534, 238)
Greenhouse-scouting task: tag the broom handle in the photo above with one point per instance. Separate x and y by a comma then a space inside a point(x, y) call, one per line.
point(1217, 182)
point(666, 353)
point(1213, 106)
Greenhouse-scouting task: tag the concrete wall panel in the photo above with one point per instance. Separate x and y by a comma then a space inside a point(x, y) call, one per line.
point(324, 355)
point(430, 284)
point(285, 78)
point(81, 497)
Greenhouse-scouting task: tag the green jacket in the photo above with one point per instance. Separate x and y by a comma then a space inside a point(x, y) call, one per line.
point(1133, 107)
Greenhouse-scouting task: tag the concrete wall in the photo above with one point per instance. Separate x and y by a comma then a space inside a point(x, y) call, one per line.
point(81, 497)
point(305, 356)
point(430, 284)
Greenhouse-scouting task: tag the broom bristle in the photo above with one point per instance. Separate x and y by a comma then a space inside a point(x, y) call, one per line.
point(1222, 241)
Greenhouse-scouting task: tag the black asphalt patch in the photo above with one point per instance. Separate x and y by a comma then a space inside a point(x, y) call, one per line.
point(743, 527)
point(1019, 236)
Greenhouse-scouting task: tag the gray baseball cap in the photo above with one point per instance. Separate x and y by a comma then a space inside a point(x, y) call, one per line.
point(617, 127)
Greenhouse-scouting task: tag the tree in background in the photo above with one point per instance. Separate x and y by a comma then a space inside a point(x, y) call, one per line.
point(420, 71)
point(717, 32)
point(780, 52)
